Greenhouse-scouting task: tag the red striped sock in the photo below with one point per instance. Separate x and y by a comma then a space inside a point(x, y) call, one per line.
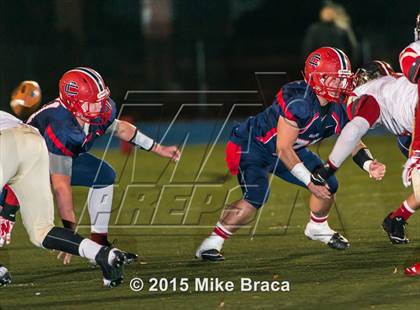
point(404, 211)
point(221, 231)
point(101, 238)
point(317, 219)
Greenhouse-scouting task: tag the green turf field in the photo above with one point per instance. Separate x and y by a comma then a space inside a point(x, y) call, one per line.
point(165, 223)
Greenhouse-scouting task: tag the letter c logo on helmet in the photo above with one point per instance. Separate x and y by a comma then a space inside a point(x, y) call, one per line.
point(71, 88)
point(314, 60)
point(84, 93)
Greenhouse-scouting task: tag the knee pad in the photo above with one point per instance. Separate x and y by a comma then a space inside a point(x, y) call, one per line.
point(333, 184)
point(106, 176)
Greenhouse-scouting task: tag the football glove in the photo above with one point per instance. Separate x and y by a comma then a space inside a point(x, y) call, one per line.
point(6, 227)
point(321, 175)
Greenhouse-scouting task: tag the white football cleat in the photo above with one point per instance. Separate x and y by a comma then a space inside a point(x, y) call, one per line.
point(209, 250)
point(323, 232)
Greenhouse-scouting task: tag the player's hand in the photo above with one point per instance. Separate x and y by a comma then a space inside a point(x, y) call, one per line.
point(377, 170)
point(321, 175)
point(320, 191)
point(171, 151)
point(65, 256)
point(411, 163)
point(6, 227)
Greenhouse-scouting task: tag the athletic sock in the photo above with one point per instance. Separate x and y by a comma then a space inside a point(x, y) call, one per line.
point(318, 219)
point(100, 206)
point(220, 231)
point(101, 238)
point(89, 249)
point(404, 211)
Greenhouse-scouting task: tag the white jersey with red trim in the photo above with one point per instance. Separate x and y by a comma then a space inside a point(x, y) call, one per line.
point(397, 99)
point(8, 121)
point(408, 58)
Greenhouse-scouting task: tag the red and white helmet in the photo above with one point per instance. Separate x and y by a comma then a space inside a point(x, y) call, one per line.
point(84, 93)
point(328, 72)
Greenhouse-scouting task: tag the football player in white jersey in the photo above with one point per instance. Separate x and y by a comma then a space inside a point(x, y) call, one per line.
point(24, 166)
point(25, 99)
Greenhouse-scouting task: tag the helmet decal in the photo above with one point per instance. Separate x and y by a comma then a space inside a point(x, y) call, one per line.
point(71, 88)
point(342, 58)
point(93, 75)
point(314, 60)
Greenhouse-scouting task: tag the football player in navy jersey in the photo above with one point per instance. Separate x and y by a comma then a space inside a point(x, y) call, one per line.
point(24, 166)
point(275, 141)
point(70, 125)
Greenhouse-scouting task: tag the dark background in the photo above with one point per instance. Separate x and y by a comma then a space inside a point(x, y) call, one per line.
point(179, 44)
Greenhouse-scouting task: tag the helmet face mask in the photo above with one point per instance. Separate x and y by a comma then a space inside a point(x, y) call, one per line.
point(84, 94)
point(333, 86)
point(328, 72)
point(96, 113)
point(371, 71)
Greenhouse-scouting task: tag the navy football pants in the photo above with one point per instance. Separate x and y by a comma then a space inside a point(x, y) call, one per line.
point(91, 171)
point(256, 165)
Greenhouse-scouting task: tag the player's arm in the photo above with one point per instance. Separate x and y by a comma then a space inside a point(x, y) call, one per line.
point(60, 169)
point(366, 113)
point(128, 132)
point(287, 133)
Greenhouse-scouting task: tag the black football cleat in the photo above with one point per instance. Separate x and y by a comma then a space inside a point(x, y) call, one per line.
point(129, 258)
point(5, 277)
point(338, 242)
point(395, 229)
point(112, 274)
point(212, 255)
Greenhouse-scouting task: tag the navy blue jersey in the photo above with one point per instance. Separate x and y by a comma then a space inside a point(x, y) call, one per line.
point(296, 102)
point(61, 131)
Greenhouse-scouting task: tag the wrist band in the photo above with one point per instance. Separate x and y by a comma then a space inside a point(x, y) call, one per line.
point(363, 158)
point(143, 141)
point(69, 225)
point(9, 212)
point(301, 173)
point(366, 165)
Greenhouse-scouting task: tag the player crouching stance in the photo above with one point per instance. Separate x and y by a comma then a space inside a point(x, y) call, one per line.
point(24, 165)
point(70, 125)
point(390, 99)
point(275, 141)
